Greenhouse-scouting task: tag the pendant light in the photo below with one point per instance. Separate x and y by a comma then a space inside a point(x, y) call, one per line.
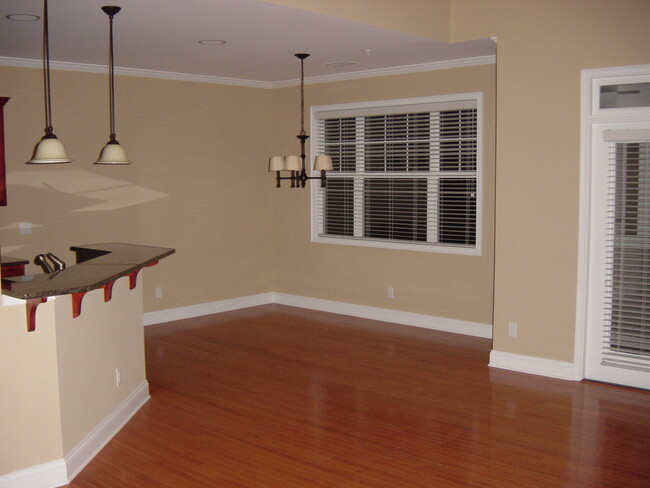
point(112, 152)
point(296, 164)
point(49, 149)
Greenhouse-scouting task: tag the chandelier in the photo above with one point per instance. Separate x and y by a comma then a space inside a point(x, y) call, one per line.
point(296, 164)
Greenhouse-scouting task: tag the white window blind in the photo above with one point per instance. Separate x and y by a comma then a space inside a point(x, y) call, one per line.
point(626, 331)
point(406, 174)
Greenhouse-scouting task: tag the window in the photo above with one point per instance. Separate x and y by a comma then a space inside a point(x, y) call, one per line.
point(406, 174)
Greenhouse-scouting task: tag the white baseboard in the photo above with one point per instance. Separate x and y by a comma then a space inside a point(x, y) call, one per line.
point(386, 315)
point(61, 471)
point(533, 365)
point(46, 475)
point(88, 448)
point(444, 324)
point(180, 313)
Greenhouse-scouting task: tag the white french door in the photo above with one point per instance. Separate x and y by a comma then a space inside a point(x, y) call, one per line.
point(618, 296)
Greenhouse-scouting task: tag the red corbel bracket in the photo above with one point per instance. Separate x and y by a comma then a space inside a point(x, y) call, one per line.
point(152, 264)
point(31, 306)
point(76, 303)
point(108, 291)
point(132, 279)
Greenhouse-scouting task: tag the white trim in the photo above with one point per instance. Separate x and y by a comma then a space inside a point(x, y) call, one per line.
point(145, 73)
point(190, 311)
point(61, 471)
point(433, 322)
point(46, 475)
point(88, 448)
point(590, 114)
point(168, 75)
point(618, 75)
point(399, 245)
point(533, 365)
point(583, 222)
point(397, 70)
point(432, 103)
point(398, 102)
point(476, 329)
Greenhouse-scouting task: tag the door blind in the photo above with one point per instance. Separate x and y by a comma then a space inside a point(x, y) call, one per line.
point(626, 331)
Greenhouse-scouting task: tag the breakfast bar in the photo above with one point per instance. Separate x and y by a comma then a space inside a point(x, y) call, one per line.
point(97, 266)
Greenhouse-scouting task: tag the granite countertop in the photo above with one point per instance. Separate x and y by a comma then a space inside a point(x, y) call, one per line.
point(6, 261)
point(97, 265)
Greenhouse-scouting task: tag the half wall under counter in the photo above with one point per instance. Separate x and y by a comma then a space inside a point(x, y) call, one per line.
point(70, 385)
point(98, 266)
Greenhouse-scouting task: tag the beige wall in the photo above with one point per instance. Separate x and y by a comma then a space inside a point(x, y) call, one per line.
point(453, 286)
point(30, 421)
point(106, 336)
point(58, 382)
point(428, 18)
point(197, 184)
point(542, 46)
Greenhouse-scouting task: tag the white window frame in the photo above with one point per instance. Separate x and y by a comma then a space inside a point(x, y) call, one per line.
point(408, 104)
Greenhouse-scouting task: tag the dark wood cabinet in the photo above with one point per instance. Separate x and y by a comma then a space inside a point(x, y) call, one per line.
point(3, 177)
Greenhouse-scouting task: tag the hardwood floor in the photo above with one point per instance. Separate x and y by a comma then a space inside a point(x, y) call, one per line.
point(280, 397)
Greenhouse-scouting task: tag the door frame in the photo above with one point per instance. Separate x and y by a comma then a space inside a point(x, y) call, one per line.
point(590, 115)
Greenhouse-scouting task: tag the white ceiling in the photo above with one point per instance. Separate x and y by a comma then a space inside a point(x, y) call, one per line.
point(163, 35)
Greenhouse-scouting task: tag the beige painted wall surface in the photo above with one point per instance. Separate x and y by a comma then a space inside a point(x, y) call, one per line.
point(542, 46)
point(30, 425)
point(428, 18)
point(106, 336)
point(197, 184)
point(458, 287)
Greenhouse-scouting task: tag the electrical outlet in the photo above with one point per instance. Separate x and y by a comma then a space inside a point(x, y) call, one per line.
point(118, 377)
point(24, 228)
point(158, 292)
point(390, 292)
point(512, 329)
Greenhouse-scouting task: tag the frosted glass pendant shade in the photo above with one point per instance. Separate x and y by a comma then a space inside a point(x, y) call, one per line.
point(323, 163)
point(49, 150)
point(113, 153)
point(276, 163)
point(292, 163)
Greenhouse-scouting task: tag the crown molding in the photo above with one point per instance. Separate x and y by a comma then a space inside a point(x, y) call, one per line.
point(396, 70)
point(144, 73)
point(169, 75)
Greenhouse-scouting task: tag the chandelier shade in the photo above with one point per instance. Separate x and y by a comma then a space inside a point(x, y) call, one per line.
point(292, 163)
point(276, 163)
point(323, 163)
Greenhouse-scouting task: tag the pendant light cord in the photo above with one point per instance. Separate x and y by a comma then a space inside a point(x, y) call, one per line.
point(111, 85)
point(302, 96)
point(46, 71)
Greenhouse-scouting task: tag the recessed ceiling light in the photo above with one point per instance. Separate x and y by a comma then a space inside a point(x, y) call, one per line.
point(212, 42)
point(23, 17)
point(340, 64)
